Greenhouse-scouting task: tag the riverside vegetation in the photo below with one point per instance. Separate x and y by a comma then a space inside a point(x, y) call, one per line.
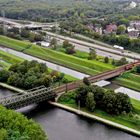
point(107, 104)
point(14, 126)
point(30, 74)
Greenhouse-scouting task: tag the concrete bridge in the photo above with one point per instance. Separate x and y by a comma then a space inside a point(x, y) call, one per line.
point(42, 93)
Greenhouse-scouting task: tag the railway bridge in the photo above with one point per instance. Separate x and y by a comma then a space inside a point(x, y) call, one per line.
point(35, 95)
point(42, 93)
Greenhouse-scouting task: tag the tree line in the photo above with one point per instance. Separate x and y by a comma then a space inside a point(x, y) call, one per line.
point(30, 74)
point(94, 97)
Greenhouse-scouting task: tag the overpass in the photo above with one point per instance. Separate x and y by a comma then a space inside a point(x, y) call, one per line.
point(42, 93)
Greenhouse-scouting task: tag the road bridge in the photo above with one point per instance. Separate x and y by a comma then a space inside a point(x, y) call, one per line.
point(42, 93)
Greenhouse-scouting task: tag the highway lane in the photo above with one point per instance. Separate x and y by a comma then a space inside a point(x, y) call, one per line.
point(101, 50)
point(59, 68)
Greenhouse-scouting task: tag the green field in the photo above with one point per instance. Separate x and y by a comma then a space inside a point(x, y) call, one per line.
point(129, 120)
point(90, 67)
point(129, 80)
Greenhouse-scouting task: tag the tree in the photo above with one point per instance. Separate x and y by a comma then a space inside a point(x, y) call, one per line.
point(3, 134)
point(46, 80)
point(38, 37)
point(86, 81)
point(31, 37)
point(25, 33)
point(19, 128)
point(30, 82)
point(53, 43)
point(106, 60)
point(121, 62)
point(113, 62)
point(90, 102)
point(14, 79)
point(81, 95)
point(121, 29)
point(4, 75)
point(138, 69)
point(66, 44)
point(124, 21)
point(70, 50)
point(92, 54)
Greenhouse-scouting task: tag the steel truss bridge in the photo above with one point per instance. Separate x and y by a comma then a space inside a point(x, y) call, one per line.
point(42, 93)
point(35, 95)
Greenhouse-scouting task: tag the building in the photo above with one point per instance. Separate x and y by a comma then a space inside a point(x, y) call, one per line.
point(43, 44)
point(134, 34)
point(133, 4)
point(110, 29)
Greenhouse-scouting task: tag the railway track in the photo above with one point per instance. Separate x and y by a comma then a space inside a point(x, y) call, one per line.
point(103, 76)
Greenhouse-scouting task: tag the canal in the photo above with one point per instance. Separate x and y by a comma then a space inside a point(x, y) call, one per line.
point(63, 125)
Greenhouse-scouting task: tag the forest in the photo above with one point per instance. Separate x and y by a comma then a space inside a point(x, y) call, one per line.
point(50, 10)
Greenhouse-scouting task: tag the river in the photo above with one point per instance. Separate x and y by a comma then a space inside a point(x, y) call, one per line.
point(62, 125)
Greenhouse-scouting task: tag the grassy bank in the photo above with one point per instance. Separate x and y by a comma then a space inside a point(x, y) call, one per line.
point(86, 66)
point(7, 59)
point(129, 80)
point(129, 120)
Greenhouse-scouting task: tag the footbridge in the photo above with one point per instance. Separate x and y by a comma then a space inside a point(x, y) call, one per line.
point(42, 93)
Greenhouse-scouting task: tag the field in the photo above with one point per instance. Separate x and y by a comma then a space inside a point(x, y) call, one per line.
point(91, 67)
point(129, 80)
point(129, 120)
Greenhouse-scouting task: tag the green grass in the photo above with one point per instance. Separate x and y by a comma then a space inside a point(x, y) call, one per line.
point(90, 67)
point(9, 57)
point(131, 121)
point(129, 80)
point(5, 65)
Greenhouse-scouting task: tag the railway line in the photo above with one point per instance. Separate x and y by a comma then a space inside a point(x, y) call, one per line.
point(103, 76)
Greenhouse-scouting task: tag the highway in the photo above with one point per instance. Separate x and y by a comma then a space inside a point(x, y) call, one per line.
point(59, 68)
point(101, 50)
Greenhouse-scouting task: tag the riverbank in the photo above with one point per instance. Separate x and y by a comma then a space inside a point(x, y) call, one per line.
point(94, 117)
point(86, 114)
point(12, 88)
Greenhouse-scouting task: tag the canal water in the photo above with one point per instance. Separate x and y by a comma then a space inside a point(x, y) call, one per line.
point(62, 125)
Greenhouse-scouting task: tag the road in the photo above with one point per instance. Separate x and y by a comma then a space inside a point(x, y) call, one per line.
point(59, 68)
point(101, 50)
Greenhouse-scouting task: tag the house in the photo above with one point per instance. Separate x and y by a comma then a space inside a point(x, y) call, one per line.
point(110, 28)
point(133, 33)
point(135, 24)
point(133, 4)
point(98, 30)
